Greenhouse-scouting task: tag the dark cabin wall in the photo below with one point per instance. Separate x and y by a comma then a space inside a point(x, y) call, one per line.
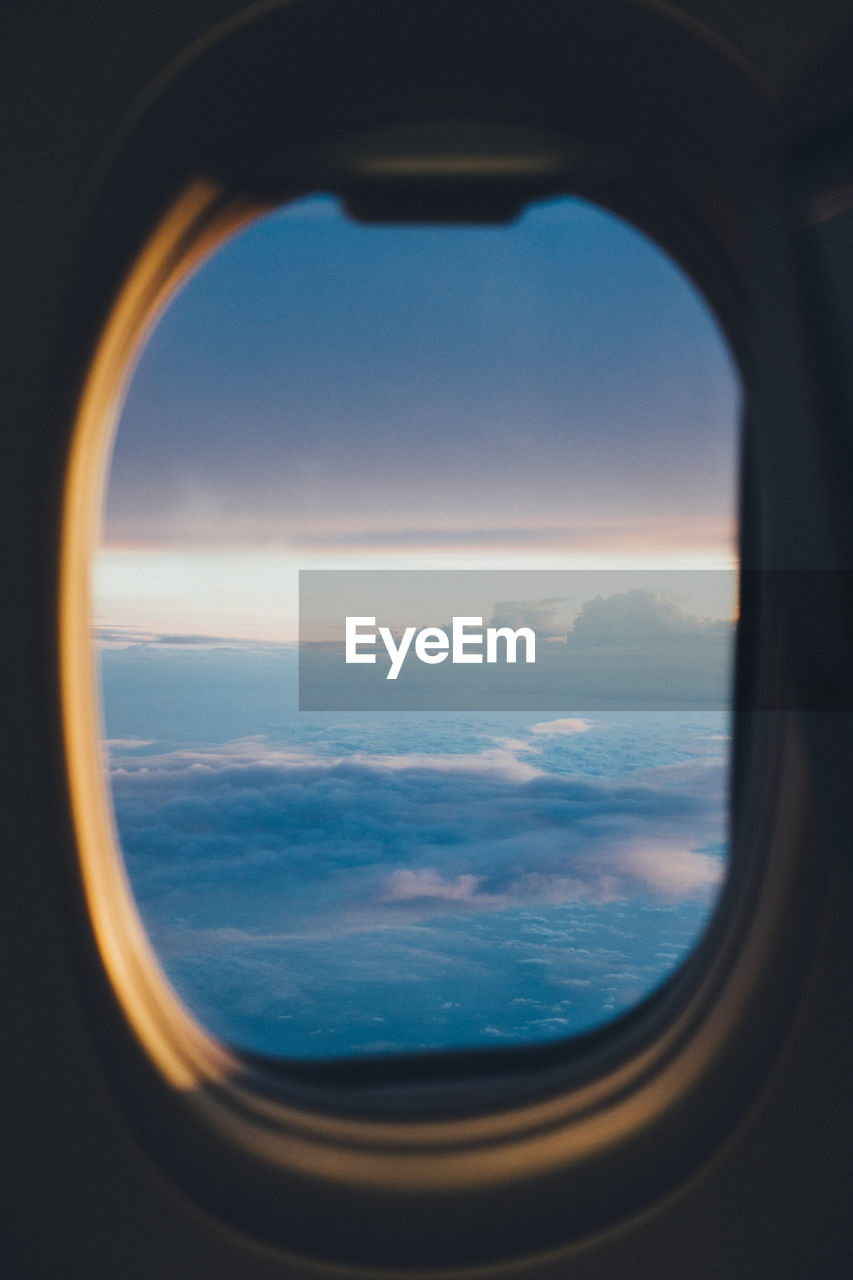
point(81, 1195)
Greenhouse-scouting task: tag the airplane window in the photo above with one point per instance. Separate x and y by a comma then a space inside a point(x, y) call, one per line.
point(491, 439)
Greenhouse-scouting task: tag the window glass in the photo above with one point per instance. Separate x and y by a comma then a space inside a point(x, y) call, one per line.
point(540, 421)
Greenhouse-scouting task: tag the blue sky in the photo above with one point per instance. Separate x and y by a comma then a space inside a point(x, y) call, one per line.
point(317, 377)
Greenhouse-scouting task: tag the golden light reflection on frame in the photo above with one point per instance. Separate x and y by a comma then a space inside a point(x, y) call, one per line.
point(194, 226)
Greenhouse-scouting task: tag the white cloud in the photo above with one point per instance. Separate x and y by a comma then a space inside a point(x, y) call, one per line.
point(669, 868)
point(568, 726)
point(404, 884)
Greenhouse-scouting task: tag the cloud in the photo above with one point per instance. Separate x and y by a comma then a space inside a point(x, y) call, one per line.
point(124, 635)
point(561, 727)
point(539, 615)
point(642, 617)
point(500, 761)
point(671, 869)
point(629, 649)
point(427, 883)
point(432, 536)
point(343, 837)
point(295, 896)
point(131, 637)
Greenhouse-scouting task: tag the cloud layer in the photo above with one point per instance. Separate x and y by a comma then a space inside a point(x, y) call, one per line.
point(274, 878)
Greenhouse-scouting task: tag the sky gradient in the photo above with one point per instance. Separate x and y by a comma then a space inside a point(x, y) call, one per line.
point(548, 396)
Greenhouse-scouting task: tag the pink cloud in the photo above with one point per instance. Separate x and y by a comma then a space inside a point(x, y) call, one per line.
point(427, 883)
point(668, 868)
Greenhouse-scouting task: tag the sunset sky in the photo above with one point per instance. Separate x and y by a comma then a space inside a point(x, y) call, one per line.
point(552, 394)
